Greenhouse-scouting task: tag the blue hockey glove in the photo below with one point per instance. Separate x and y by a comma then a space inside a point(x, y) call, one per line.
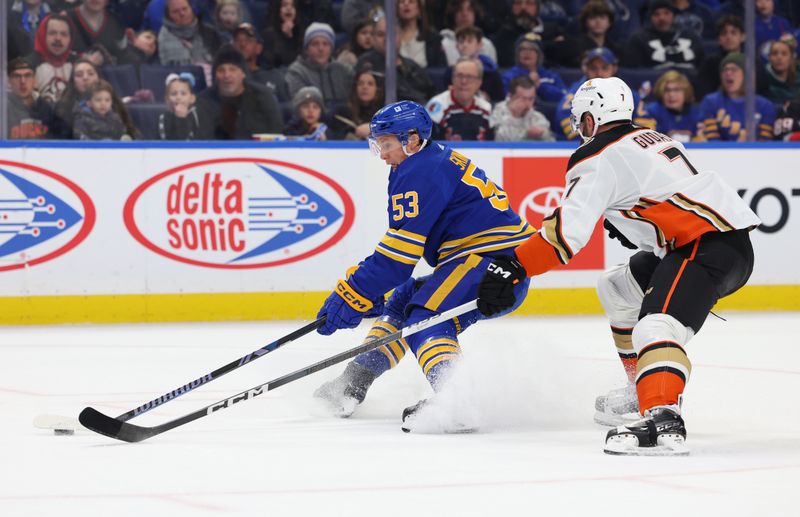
point(345, 308)
point(496, 290)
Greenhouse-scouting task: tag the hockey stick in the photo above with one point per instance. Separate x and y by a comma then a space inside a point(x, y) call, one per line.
point(63, 425)
point(127, 432)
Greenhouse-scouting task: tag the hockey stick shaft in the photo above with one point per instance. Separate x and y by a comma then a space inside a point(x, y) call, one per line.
point(113, 428)
point(222, 370)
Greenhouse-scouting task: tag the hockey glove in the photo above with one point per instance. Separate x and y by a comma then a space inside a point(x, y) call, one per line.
point(345, 308)
point(496, 290)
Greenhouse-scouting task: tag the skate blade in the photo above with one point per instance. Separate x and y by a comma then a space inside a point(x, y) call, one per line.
point(457, 430)
point(668, 445)
point(615, 419)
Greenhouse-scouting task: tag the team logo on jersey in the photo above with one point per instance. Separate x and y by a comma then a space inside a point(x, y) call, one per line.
point(239, 213)
point(42, 215)
point(535, 186)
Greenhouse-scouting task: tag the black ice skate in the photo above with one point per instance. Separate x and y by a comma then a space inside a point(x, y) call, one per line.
point(426, 416)
point(660, 433)
point(342, 394)
point(618, 407)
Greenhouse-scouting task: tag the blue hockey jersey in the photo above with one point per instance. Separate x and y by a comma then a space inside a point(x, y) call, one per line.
point(681, 126)
point(441, 207)
point(722, 118)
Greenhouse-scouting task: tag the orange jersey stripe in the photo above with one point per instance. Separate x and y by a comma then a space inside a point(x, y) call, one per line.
point(679, 226)
point(537, 255)
point(678, 276)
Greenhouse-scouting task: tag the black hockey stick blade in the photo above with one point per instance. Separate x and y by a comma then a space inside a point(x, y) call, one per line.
point(127, 432)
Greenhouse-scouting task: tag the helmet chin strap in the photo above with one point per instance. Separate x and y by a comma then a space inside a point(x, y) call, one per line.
point(594, 131)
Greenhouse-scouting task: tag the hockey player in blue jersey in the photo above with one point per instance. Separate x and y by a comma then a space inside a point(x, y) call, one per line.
point(441, 207)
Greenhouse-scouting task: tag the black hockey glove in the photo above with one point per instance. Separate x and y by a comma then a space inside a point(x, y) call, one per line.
point(496, 290)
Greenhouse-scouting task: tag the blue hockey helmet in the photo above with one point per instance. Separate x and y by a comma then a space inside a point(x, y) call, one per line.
point(401, 119)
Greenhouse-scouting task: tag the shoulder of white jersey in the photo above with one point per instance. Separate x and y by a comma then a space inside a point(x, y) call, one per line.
point(437, 104)
point(483, 103)
point(601, 142)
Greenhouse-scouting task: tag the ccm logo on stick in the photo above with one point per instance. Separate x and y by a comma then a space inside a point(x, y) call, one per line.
point(237, 398)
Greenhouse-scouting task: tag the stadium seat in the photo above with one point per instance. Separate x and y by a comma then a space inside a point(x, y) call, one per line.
point(569, 75)
point(436, 75)
point(153, 77)
point(145, 118)
point(123, 78)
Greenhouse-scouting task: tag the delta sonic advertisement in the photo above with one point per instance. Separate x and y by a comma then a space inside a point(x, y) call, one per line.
point(43, 215)
point(239, 213)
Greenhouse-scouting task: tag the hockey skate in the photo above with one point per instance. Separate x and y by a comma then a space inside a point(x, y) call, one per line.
point(618, 407)
point(428, 417)
point(660, 433)
point(342, 394)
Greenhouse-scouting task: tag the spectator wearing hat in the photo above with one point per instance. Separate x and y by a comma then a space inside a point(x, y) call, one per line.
point(248, 42)
point(779, 81)
point(515, 119)
point(53, 56)
point(283, 36)
point(315, 67)
point(460, 112)
point(598, 62)
point(596, 19)
point(238, 108)
point(730, 38)
point(29, 116)
point(309, 119)
point(182, 120)
point(183, 39)
point(530, 58)
point(523, 18)
point(722, 112)
point(661, 44)
point(412, 82)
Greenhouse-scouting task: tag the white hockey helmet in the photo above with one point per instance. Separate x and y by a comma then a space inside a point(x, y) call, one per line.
point(607, 100)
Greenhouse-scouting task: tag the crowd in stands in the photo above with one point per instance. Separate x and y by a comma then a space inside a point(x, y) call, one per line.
point(314, 69)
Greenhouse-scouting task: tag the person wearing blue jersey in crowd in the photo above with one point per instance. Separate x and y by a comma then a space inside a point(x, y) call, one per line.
point(673, 112)
point(441, 207)
point(722, 112)
point(529, 61)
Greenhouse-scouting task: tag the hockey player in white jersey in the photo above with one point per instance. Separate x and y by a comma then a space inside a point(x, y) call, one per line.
point(693, 232)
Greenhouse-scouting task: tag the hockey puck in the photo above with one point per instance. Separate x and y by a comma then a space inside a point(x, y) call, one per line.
point(63, 432)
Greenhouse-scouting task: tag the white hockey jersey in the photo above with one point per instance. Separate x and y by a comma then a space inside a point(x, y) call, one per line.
point(646, 187)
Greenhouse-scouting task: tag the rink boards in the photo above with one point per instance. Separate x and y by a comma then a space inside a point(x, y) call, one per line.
point(177, 232)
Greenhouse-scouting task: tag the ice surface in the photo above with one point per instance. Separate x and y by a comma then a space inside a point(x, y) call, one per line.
point(531, 383)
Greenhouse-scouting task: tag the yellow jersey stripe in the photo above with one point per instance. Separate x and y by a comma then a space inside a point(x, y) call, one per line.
point(404, 246)
point(396, 257)
point(451, 282)
point(408, 235)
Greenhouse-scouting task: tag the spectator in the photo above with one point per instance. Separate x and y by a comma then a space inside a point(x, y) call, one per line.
point(156, 11)
point(722, 112)
point(779, 80)
point(26, 15)
point(730, 38)
point(787, 123)
point(769, 27)
point(360, 41)
point(412, 81)
point(662, 45)
point(464, 13)
point(315, 68)
point(238, 109)
point(530, 58)
point(418, 42)
point(515, 118)
point(84, 74)
point(598, 62)
point(673, 112)
point(524, 18)
point(52, 57)
point(460, 113)
point(351, 121)
point(469, 40)
point(627, 19)
point(95, 26)
point(692, 16)
point(143, 48)
point(98, 121)
point(596, 20)
point(184, 39)
point(248, 42)
point(283, 37)
point(308, 122)
point(228, 14)
point(353, 11)
point(182, 120)
point(29, 116)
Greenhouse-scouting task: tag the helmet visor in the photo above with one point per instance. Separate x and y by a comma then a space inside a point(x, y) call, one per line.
point(383, 144)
